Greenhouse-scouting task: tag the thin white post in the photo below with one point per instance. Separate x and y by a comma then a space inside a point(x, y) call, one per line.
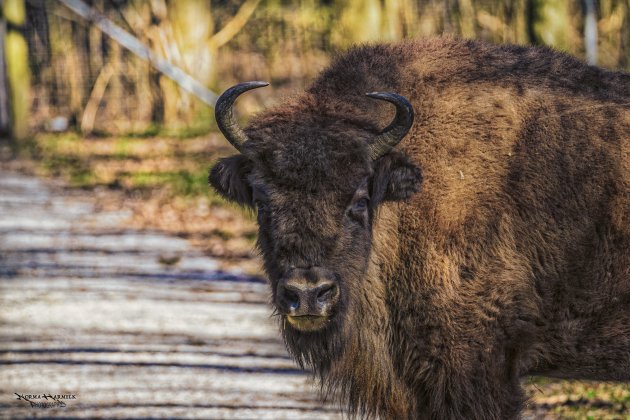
point(134, 45)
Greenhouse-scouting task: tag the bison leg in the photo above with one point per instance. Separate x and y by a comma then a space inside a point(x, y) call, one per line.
point(484, 394)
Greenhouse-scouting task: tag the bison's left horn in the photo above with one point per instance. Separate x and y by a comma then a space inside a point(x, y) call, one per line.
point(225, 116)
point(393, 133)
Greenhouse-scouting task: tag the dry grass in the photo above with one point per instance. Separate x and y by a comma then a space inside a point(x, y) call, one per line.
point(162, 180)
point(584, 400)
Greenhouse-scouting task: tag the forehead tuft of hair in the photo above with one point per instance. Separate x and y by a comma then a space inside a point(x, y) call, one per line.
point(307, 146)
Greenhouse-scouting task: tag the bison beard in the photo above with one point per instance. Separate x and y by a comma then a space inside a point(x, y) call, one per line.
point(421, 269)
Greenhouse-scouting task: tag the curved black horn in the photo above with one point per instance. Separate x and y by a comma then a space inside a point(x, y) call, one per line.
point(225, 116)
point(393, 133)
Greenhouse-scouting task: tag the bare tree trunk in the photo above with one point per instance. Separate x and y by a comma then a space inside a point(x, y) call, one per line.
point(519, 21)
point(75, 60)
point(95, 42)
point(98, 91)
point(18, 74)
point(624, 42)
point(550, 23)
point(467, 18)
point(590, 31)
point(5, 121)
point(359, 21)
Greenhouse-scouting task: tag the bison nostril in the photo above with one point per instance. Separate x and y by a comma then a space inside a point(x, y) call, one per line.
point(291, 297)
point(325, 292)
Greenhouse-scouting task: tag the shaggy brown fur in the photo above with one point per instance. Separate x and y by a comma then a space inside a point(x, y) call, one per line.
point(497, 243)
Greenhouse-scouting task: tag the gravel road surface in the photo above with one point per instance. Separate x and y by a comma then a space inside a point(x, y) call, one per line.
point(130, 324)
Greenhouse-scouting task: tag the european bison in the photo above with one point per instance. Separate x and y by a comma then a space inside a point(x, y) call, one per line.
point(423, 266)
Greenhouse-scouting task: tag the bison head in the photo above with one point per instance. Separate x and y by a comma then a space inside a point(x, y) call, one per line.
point(316, 173)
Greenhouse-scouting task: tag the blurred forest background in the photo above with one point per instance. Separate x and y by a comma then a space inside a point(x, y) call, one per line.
point(80, 75)
point(86, 110)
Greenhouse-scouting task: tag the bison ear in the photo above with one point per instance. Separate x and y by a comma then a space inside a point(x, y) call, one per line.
point(395, 178)
point(229, 177)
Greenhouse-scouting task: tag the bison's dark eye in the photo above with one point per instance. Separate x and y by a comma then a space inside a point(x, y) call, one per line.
point(358, 211)
point(260, 201)
point(260, 205)
point(261, 211)
point(361, 205)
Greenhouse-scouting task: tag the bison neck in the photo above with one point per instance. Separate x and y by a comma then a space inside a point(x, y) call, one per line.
point(364, 377)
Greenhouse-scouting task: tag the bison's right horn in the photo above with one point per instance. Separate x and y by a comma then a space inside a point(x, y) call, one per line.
point(393, 133)
point(225, 116)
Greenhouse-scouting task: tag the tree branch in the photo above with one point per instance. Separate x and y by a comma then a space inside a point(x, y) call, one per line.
point(234, 26)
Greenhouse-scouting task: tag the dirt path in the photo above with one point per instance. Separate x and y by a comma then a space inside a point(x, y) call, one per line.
point(134, 324)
